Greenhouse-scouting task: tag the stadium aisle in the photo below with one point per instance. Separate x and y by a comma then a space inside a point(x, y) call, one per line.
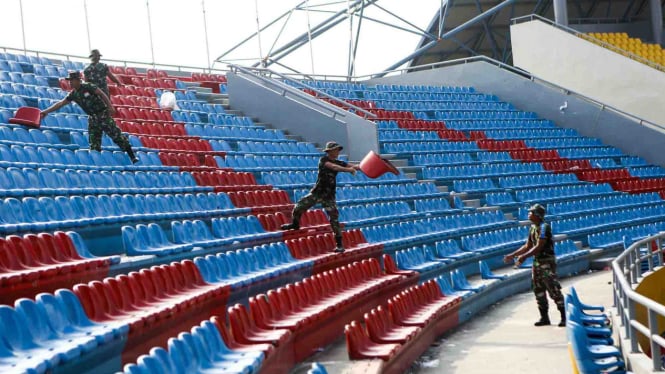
point(503, 339)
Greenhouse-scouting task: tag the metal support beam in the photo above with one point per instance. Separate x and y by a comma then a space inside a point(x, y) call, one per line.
point(656, 21)
point(450, 33)
point(561, 11)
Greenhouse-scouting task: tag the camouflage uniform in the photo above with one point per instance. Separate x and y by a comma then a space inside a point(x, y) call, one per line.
point(323, 193)
point(96, 74)
point(544, 275)
point(99, 120)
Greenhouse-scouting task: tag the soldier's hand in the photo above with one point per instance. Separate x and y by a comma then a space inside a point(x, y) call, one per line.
point(352, 171)
point(42, 114)
point(507, 259)
point(519, 261)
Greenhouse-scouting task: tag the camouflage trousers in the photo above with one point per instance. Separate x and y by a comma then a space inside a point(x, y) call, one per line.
point(103, 123)
point(329, 205)
point(545, 280)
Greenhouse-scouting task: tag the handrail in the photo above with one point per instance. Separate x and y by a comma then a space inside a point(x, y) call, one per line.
point(262, 72)
point(604, 44)
point(179, 68)
point(627, 270)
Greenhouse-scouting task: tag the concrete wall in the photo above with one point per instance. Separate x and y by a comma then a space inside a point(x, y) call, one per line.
point(569, 61)
point(587, 117)
point(289, 109)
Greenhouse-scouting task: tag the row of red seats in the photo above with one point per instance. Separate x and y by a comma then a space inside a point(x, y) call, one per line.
point(262, 201)
point(364, 104)
point(319, 248)
point(122, 70)
point(567, 166)
point(189, 144)
point(225, 181)
point(382, 114)
point(452, 135)
point(128, 90)
point(150, 128)
point(641, 185)
point(132, 114)
point(421, 125)
point(535, 154)
point(205, 77)
point(477, 135)
point(141, 102)
point(156, 303)
point(188, 161)
point(314, 310)
point(44, 262)
point(401, 330)
point(310, 221)
point(501, 145)
point(138, 81)
point(605, 175)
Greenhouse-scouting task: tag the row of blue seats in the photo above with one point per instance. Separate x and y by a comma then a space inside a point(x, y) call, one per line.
point(423, 88)
point(202, 350)
point(531, 133)
point(412, 147)
point(433, 205)
point(295, 179)
point(341, 94)
point(329, 84)
point(230, 120)
point(491, 241)
point(598, 204)
point(288, 147)
point(53, 330)
point(421, 259)
point(478, 124)
point(500, 199)
point(563, 143)
point(603, 221)
point(429, 96)
point(538, 180)
point(546, 194)
point(63, 158)
point(614, 238)
point(24, 78)
point(50, 71)
point(405, 135)
point(264, 162)
point(246, 266)
point(633, 161)
point(381, 192)
point(475, 185)
point(482, 170)
point(81, 140)
point(443, 105)
point(30, 136)
point(74, 65)
point(235, 132)
point(11, 102)
point(590, 152)
point(647, 172)
point(494, 157)
point(25, 59)
point(66, 121)
point(45, 213)
point(483, 115)
point(410, 232)
point(45, 103)
point(43, 181)
point(199, 106)
point(444, 158)
point(187, 116)
point(375, 212)
point(28, 90)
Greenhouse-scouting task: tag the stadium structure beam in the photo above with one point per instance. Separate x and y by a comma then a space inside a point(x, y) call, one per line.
point(485, 22)
point(446, 35)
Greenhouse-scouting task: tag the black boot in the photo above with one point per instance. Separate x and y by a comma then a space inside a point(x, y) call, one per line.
point(340, 246)
point(132, 156)
point(562, 310)
point(295, 225)
point(544, 318)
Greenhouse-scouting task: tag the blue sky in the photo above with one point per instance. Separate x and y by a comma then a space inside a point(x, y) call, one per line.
point(119, 28)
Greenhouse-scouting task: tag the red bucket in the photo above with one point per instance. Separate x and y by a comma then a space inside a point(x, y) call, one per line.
point(374, 166)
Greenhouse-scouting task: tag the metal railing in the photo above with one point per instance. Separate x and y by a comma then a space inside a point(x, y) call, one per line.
point(266, 75)
point(627, 271)
point(590, 38)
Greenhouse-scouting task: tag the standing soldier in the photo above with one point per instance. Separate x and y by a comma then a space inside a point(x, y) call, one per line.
point(324, 191)
point(540, 245)
point(97, 72)
point(99, 109)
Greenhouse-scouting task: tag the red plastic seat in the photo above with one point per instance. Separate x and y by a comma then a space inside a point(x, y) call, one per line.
point(27, 116)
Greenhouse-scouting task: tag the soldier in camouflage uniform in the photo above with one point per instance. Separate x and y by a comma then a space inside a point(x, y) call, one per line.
point(99, 109)
point(324, 191)
point(544, 277)
point(97, 72)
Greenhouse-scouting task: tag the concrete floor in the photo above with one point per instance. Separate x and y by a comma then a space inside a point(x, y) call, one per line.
point(501, 340)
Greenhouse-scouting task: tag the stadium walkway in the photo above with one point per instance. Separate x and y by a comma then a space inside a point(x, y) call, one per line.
point(502, 340)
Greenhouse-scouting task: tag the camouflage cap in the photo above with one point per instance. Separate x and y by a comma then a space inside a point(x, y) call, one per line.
point(73, 75)
point(332, 146)
point(538, 210)
point(95, 52)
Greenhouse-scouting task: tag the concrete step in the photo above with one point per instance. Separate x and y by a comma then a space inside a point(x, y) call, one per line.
point(297, 138)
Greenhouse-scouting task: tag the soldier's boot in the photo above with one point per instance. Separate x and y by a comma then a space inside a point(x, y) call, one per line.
point(544, 318)
point(295, 225)
point(562, 310)
point(340, 246)
point(132, 156)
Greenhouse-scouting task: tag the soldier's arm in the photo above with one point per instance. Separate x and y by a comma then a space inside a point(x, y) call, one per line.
point(54, 107)
point(341, 168)
point(114, 78)
point(106, 100)
point(509, 257)
point(533, 251)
